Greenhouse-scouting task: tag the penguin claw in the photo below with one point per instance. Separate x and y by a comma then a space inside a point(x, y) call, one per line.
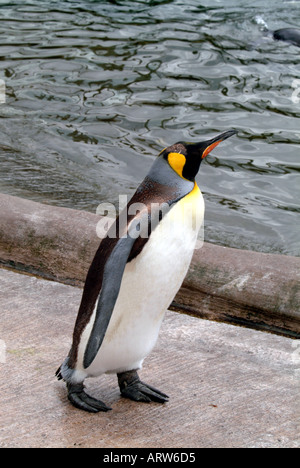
point(83, 401)
point(133, 388)
point(145, 393)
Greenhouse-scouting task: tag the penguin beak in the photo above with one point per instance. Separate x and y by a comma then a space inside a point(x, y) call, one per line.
point(211, 144)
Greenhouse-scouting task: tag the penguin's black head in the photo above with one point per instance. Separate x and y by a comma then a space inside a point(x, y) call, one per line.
point(185, 158)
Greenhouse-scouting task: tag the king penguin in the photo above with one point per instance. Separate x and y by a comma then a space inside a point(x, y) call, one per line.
point(135, 275)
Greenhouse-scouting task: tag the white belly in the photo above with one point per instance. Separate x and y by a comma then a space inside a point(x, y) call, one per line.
point(149, 284)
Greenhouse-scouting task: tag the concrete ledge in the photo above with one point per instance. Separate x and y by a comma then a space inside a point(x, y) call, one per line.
point(229, 285)
point(246, 288)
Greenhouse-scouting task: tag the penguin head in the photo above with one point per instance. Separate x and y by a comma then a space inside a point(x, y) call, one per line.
point(185, 158)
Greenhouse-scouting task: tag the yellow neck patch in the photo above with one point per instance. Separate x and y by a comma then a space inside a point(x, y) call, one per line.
point(194, 194)
point(177, 162)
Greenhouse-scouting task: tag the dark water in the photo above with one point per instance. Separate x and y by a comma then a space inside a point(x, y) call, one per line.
point(95, 89)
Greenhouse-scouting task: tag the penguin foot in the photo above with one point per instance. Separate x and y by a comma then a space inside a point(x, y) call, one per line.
point(132, 387)
point(82, 400)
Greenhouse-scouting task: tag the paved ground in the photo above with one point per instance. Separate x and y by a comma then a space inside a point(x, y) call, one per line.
point(228, 386)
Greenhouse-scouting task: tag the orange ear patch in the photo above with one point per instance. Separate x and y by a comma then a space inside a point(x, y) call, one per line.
point(177, 162)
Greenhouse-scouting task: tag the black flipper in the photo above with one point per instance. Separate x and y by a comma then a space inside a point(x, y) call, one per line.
point(112, 278)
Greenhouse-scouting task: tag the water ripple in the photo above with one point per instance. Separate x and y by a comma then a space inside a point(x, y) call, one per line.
point(95, 89)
